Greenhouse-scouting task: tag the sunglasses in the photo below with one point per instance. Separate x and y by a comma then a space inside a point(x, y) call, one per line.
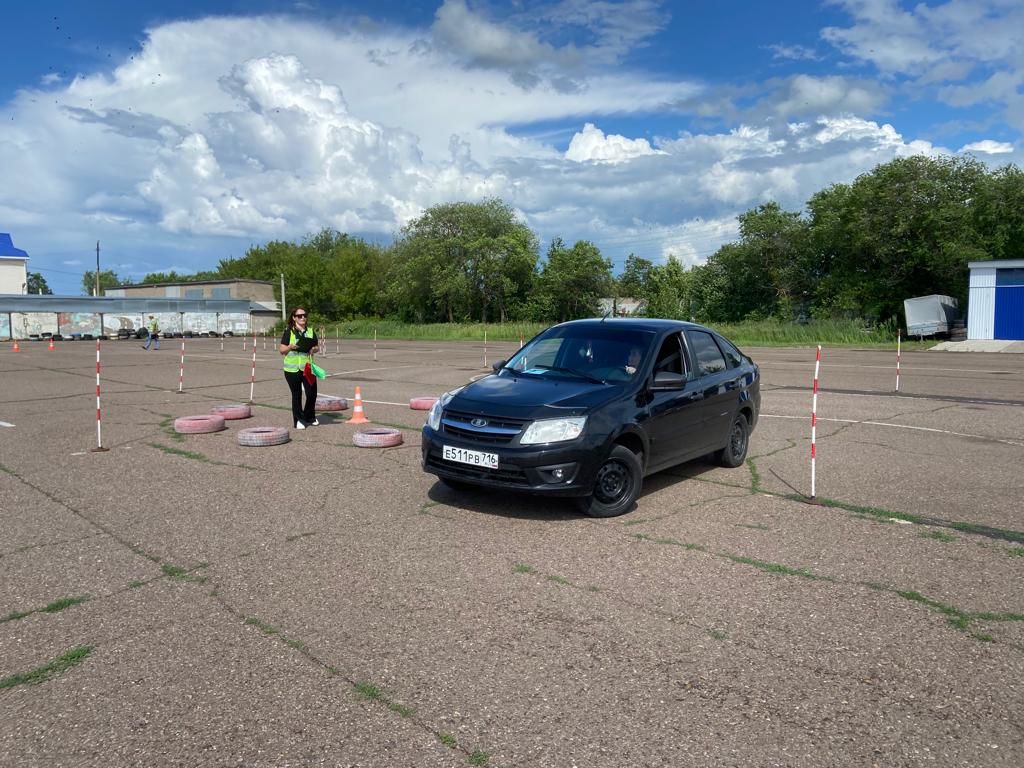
point(298, 315)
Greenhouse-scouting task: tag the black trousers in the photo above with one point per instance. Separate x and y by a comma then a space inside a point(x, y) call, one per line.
point(296, 383)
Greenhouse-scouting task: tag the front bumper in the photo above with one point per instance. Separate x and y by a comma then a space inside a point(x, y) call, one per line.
point(520, 468)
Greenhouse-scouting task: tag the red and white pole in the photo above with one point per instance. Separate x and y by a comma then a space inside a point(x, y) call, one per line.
point(485, 348)
point(252, 378)
point(264, 339)
point(899, 335)
point(337, 340)
point(375, 345)
point(181, 371)
point(99, 429)
point(814, 418)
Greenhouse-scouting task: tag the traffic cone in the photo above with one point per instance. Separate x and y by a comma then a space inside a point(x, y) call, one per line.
point(51, 347)
point(358, 417)
point(15, 348)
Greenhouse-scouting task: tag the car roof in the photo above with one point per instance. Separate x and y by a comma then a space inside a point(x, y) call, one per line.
point(651, 324)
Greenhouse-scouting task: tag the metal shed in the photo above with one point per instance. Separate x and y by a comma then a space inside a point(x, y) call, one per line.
point(996, 300)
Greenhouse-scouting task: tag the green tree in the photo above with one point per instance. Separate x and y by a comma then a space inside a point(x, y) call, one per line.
point(464, 261)
point(634, 280)
point(108, 279)
point(573, 281)
point(37, 284)
point(668, 290)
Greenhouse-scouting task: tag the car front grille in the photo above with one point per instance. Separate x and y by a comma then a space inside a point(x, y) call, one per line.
point(495, 431)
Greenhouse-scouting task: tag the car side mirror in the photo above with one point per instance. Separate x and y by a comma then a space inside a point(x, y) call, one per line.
point(668, 380)
point(497, 365)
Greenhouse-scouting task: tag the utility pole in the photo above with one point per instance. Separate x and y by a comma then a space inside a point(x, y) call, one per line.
point(97, 268)
point(282, 298)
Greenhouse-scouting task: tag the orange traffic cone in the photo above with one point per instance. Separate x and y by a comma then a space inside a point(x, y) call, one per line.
point(51, 347)
point(15, 348)
point(358, 417)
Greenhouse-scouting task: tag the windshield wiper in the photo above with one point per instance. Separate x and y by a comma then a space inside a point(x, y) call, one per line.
point(571, 372)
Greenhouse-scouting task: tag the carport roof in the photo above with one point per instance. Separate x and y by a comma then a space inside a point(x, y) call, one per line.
point(111, 305)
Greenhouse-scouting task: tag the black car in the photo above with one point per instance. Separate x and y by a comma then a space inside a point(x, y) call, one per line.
point(588, 408)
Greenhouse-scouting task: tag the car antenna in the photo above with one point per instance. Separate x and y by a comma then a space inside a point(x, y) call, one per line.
point(605, 315)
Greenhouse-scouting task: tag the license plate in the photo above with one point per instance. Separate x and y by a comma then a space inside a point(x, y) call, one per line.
point(464, 456)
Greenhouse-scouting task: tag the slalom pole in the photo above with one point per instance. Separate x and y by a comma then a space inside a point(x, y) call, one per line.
point(99, 430)
point(264, 339)
point(485, 347)
point(899, 335)
point(252, 379)
point(375, 345)
point(337, 339)
point(181, 371)
point(814, 417)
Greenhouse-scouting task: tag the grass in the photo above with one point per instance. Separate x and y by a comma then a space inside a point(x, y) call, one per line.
point(54, 607)
point(448, 740)
point(1016, 552)
point(479, 758)
point(367, 691)
point(521, 568)
point(778, 568)
point(938, 536)
point(182, 453)
point(752, 333)
point(49, 670)
point(181, 574)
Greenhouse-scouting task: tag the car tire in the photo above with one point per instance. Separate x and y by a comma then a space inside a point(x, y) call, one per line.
point(735, 451)
point(195, 425)
point(377, 437)
point(616, 484)
point(330, 403)
point(232, 411)
point(257, 437)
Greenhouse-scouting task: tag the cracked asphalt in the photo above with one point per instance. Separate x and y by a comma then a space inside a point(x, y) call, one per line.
point(180, 600)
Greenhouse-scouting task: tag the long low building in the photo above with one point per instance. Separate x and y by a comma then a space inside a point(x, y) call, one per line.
point(40, 316)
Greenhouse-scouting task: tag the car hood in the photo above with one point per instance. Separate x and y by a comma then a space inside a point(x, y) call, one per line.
point(530, 397)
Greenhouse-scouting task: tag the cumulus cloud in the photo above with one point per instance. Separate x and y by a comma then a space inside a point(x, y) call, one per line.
point(591, 144)
point(224, 132)
point(988, 147)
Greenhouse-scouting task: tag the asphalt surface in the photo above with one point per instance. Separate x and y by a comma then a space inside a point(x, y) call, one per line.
point(320, 604)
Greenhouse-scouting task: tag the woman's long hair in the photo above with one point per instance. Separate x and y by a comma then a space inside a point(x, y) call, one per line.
point(291, 319)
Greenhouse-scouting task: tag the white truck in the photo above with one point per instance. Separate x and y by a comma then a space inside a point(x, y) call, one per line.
point(930, 315)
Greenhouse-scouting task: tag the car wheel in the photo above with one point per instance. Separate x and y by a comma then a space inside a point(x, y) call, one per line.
point(735, 451)
point(616, 485)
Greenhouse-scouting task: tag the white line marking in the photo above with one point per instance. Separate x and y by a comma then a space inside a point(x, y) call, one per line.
point(899, 426)
point(5, 424)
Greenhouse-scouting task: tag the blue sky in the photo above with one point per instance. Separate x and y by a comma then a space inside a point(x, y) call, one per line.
point(179, 134)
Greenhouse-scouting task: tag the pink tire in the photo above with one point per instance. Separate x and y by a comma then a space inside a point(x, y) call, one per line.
point(194, 425)
point(257, 437)
point(377, 437)
point(232, 411)
point(331, 403)
point(422, 403)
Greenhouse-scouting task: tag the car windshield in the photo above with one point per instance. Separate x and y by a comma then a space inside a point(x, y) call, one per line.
point(602, 353)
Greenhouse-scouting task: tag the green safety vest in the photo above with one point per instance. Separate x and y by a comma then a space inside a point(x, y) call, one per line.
point(295, 361)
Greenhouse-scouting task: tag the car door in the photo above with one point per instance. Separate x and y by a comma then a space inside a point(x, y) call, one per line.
point(719, 386)
point(674, 415)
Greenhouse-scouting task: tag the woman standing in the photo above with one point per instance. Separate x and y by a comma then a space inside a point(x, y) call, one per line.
point(298, 344)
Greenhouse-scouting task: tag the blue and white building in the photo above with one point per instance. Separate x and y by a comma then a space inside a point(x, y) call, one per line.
point(996, 300)
point(13, 266)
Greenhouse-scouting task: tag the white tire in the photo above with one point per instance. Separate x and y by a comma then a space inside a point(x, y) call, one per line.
point(257, 437)
point(194, 425)
point(422, 403)
point(232, 411)
point(377, 437)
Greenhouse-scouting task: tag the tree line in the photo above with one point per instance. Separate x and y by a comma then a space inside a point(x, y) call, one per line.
point(907, 228)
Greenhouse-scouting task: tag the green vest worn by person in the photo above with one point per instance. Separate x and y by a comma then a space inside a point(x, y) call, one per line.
point(295, 361)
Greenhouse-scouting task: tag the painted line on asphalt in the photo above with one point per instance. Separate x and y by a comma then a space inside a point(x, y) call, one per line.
point(5, 424)
point(899, 426)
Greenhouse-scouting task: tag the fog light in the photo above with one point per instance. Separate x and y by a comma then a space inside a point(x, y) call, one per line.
point(558, 474)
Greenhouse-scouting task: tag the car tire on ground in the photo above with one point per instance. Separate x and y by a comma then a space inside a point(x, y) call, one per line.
point(257, 437)
point(232, 411)
point(422, 403)
point(616, 485)
point(194, 425)
point(377, 437)
point(331, 403)
point(735, 451)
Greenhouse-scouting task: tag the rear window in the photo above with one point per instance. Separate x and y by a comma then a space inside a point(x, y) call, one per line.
point(709, 357)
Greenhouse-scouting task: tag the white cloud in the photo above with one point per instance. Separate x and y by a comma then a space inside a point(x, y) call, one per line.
point(988, 147)
point(591, 144)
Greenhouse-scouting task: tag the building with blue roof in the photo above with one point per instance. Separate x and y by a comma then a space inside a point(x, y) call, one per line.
point(13, 266)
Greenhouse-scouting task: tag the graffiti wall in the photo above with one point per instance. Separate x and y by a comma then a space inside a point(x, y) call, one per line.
point(77, 324)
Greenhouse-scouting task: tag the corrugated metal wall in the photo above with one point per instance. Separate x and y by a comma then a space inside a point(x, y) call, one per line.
point(981, 303)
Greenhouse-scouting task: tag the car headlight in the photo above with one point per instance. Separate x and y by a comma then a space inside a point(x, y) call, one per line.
point(553, 430)
point(434, 416)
